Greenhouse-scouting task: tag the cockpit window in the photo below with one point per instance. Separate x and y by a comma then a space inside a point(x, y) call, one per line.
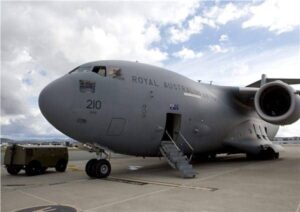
point(115, 72)
point(82, 69)
point(110, 71)
point(101, 70)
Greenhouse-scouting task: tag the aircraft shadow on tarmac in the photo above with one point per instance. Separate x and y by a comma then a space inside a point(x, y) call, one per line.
point(197, 164)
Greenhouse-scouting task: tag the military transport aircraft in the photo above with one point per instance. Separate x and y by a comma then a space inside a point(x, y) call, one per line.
point(137, 109)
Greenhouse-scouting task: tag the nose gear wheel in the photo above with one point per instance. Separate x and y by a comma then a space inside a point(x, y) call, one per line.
point(98, 168)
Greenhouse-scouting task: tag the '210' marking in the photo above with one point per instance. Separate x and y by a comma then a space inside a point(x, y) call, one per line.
point(93, 104)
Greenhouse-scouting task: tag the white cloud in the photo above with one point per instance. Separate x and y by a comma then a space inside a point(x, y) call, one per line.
point(212, 17)
point(186, 53)
point(223, 38)
point(169, 12)
point(223, 15)
point(22, 57)
point(277, 62)
point(44, 40)
point(217, 49)
point(242, 67)
point(277, 15)
point(194, 26)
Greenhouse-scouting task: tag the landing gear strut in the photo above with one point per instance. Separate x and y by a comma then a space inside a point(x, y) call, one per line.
point(98, 168)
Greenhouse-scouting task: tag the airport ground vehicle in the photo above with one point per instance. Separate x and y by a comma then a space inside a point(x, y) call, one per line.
point(35, 159)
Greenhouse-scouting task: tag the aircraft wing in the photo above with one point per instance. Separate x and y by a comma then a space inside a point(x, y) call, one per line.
point(288, 81)
point(246, 94)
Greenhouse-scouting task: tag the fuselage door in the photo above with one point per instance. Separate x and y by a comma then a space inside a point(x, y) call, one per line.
point(172, 126)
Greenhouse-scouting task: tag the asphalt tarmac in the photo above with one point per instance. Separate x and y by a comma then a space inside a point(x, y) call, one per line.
point(231, 183)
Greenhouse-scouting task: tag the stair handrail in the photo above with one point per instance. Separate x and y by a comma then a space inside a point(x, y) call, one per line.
point(173, 141)
point(188, 143)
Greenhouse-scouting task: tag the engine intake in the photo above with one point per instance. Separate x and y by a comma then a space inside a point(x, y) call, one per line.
point(277, 103)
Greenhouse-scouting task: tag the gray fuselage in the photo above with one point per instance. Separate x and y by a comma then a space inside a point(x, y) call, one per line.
point(128, 108)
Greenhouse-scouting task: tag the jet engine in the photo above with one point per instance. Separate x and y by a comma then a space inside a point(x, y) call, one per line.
point(277, 103)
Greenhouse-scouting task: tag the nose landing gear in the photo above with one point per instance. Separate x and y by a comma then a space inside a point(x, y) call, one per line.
point(98, 168)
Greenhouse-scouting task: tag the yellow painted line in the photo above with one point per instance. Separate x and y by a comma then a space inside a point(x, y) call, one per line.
point(73, 168)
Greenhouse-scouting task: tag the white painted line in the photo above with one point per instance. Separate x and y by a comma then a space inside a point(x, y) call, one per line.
point(298, 208)
point(226, 172)
point(159, 191)
point(219, 174)
point(34, 196)
point(192, 95)
point(155, 192)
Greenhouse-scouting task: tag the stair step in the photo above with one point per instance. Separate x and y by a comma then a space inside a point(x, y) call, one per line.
point(170, 145)
point(177, 159)
point(190, 171)
point(189, 174)
point(171, 149)
point(184, 166)
point(180, 159)
point(166, 142)
point(175, 154)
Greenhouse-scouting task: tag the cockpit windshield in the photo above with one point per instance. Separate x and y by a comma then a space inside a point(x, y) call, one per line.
point(110, 71)
point(82, 69)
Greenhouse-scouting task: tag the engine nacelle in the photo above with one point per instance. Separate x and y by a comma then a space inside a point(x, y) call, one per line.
point(277, 103)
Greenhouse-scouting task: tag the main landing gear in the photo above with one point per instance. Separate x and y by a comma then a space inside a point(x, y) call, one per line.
point(98, 168)
point(266, 153)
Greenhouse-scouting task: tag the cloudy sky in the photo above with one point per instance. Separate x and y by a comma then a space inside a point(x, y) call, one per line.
point(229, 42)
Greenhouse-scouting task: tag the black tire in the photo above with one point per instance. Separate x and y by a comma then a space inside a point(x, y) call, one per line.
point(13, 169)
point(90, 167)
point(268, 154)
point(204, 157)
point(212, 157)
point(61, 165)
point(33, 168)
point(251, 157)
point(103, 168)
point(43, 170)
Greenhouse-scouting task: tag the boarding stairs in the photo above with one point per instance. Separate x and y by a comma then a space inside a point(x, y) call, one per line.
point(176, 157)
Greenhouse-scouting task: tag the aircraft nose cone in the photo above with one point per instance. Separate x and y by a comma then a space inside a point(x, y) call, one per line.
point(55, 102)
